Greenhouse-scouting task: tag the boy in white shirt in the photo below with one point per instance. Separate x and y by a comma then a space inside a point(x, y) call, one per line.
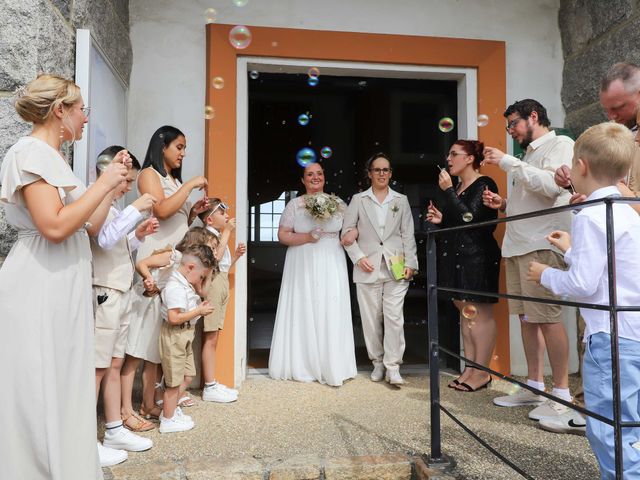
point(112, 281)
point(181, 308)
point(216, 220)
point(602, 156)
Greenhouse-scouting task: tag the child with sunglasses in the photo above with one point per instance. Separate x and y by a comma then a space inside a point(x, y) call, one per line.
point(216, 220)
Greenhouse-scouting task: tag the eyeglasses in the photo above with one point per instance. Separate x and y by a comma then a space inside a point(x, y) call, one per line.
point(455, 154)
point(86, 111)
point(380, 171)
point(512, 124)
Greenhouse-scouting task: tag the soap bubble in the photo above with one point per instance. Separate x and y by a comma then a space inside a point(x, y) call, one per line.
point(253, 260)
point(240, 37)
point(210, 15)
point(326, 152)
point(313, 81)
point(240, 3)
point(362, 83)
point(209, 112)
point(467, 217)
point(483, 120)
point(218, 83)
point(303, 119)
point(253, 75)
point(305, 156)
point(103, 162)
point(314, 72)
point(446, 124)
point(469, 312)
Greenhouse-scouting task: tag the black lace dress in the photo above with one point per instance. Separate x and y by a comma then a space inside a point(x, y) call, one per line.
point(468, 259)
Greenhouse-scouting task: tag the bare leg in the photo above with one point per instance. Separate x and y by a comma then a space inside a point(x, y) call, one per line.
point(149, 377)
point(183, 386)
point(482, 330)
point(170, 398)
point(555, 337)
point(209, 346)
point(467, 343)
point(533, 342)
point(100, 373)
point(127, 377)
point(112, 392)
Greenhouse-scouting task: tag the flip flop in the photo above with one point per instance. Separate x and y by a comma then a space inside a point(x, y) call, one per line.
point(186, 401)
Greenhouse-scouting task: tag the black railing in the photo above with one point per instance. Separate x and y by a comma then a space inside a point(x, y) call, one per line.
point(436, 458)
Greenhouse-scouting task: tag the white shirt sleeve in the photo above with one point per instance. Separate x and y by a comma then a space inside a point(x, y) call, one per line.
point(174, 296)
point(114, 230)
point(587, 262)
point(134, 242)
point(537, 179)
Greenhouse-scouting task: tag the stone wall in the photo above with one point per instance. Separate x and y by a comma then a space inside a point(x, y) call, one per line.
point(39, 36)
point(595, 35)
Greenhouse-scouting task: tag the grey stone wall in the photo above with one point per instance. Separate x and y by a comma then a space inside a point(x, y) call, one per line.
point(38, 36)
point(595, 35)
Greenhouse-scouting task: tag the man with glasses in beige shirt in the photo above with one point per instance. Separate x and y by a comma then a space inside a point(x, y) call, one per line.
point(534, 189)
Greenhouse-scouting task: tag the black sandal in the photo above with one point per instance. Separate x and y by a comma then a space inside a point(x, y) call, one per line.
point(465, 387)
point(455, 382)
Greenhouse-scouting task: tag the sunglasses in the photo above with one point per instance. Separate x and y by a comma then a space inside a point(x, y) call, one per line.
point(222, 206)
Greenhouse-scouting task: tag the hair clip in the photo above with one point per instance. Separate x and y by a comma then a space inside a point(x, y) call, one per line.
point(20, 92)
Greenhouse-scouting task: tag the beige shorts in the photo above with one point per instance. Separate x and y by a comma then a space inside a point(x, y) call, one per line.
point(218, 297)
point(517, 284)
point(176, 353)
point(111, 325)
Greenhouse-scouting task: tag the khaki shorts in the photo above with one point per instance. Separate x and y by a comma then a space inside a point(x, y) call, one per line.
point(517, 284)
point(218, 297)
point(111, 325)
point(176, 353)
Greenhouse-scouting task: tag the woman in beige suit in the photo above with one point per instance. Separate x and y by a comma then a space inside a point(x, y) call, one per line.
point(378, 226)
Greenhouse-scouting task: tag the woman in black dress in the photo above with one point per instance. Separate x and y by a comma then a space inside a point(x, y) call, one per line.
point(469, 259)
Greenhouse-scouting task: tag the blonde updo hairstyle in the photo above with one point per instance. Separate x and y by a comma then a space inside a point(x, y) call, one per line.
point(37, 100)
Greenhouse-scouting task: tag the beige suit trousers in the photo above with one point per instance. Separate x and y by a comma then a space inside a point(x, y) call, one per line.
point(381, 309)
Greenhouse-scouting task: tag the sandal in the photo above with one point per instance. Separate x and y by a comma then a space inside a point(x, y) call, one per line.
point(465, 387)
point(153, 414)
point(454, 383)
point(136, 423)
point(186, 401)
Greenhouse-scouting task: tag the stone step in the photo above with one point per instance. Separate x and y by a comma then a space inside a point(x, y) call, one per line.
point(303, 467)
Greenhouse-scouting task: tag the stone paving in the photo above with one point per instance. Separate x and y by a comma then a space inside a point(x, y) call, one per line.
point(291, 430)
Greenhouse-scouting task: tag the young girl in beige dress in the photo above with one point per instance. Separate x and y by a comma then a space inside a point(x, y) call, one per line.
point(49, 422)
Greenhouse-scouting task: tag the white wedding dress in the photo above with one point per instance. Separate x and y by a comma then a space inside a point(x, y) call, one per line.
point(313, 334)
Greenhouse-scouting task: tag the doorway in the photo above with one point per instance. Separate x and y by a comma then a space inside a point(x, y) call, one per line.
point(343, 119)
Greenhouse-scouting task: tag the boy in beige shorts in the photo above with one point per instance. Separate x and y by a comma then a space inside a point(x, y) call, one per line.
point(216, 220)
point(181, 308)
point(112, 281)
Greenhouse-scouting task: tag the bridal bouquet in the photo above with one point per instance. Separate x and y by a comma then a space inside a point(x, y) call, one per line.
point(322, 206)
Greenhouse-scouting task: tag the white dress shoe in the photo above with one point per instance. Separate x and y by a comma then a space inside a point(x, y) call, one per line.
point(378, 373)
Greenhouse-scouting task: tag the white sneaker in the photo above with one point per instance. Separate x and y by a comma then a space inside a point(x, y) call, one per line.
point(393, 377)
point(378, 373)
point(215, 393)
point(523, 398)
point(569, 422)
point(110, 457)
point(548, 410)
point(232, 391)
point(175, 424)
point(124, 439)
point(183, 417)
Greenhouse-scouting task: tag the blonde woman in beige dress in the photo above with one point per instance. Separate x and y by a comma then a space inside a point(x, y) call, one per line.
point(161, 176)
point(47, 411)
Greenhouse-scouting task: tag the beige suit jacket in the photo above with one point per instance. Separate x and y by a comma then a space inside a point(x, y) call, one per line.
point(397, 237)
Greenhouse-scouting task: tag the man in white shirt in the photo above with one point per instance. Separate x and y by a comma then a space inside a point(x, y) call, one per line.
point(602, 156)
point(534, 189)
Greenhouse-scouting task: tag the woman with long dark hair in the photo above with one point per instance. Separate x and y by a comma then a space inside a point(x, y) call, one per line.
point(470, 258)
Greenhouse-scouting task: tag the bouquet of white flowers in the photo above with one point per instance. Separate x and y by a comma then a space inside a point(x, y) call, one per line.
point(322, 206)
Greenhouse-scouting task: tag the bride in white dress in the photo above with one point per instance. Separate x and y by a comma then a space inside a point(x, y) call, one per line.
point(313, 334)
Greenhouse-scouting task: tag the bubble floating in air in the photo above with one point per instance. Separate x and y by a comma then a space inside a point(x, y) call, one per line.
point(210, 15)
point(446, 124)
point(467, 217)
point(209, 112)
point(253, 74)
point(303, 119)
point(218, 83)
point(240, 37)
point(313, 81)
point(483, 120)
point(240, 3)
point(326, 152)
point(469, 312)
point(305, 156)
point(314, 72)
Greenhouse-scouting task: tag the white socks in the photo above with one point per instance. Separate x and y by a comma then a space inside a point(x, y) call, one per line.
point(534, 384)
point(113, 427)
point(562, 393)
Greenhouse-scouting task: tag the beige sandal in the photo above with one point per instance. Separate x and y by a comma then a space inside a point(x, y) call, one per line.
point(136, 423)
point(154, 413)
